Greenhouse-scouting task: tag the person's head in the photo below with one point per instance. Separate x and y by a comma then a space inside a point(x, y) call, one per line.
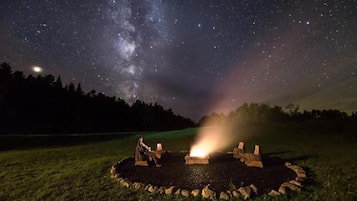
point(140, 138)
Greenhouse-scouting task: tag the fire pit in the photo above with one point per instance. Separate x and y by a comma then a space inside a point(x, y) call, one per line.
point(223, 173)
point(190, 160)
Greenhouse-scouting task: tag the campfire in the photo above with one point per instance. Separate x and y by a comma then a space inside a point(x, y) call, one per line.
point(190, 160)
point(197, 156)
point(209, 140)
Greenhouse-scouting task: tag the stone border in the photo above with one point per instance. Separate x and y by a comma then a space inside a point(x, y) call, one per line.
point(293, 185)
point(244, 192)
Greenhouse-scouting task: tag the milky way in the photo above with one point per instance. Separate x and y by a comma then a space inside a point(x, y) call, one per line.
point(195, 57)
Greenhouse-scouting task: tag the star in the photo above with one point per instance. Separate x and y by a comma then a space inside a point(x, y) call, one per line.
point(203, 53)
point(37, 69)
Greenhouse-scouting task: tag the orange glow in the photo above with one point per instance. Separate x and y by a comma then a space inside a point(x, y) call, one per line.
point(211, 139)
point(198, 151)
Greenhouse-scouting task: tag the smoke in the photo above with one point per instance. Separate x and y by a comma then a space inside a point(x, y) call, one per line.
point(240, 85)
point(214, 137)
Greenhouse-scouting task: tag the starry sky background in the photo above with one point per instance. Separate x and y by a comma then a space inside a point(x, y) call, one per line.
point(194, 56)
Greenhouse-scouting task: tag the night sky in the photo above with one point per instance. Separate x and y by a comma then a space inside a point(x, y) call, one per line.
point(196, 56)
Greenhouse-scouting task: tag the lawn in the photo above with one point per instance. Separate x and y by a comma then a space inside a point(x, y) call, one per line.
point(77, 168)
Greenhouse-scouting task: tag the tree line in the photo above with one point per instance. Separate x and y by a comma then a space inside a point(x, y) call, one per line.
point(327, 120)
point(41, 104)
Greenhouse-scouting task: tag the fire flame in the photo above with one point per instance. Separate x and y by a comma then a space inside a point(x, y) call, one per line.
point(209, 140)
point(198, 151)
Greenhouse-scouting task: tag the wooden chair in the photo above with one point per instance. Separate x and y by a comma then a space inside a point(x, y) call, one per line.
point(238, 151)
point(255, 159)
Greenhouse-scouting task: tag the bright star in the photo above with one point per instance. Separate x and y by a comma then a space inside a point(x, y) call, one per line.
point(37, 69)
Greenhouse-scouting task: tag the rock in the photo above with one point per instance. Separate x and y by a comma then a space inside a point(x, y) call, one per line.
point(274, 193)
point(142, 185)
point(208, 193)
point(125, 183)
point(137, 185)
point(296, 168)
point(147, 187)
point(178, 192)
point(282, 190)
point(119, 179)
point(301, 174)
point(300, 171)
point(152, 189)
point(161, 190)
point(254, 188)
point(245, 191)
point(185, 193)
point(169, 190)
point(195, 192)
point(296, 183)
point(113, 171)
point(290, 186)
point(223, 196)
point(235, 194)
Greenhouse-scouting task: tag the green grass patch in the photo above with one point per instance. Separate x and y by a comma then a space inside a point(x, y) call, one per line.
point(80, 171)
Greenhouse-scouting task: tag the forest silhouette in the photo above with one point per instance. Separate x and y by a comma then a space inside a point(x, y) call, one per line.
point(42, 104)
point(327, 121)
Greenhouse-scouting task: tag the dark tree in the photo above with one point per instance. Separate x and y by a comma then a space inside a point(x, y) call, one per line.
point(42, 105)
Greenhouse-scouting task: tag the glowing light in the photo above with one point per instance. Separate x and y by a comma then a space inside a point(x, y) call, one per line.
point(209, 140)
point(126, 48)
point(37, 69)
point(198, 151)
point(131, 70)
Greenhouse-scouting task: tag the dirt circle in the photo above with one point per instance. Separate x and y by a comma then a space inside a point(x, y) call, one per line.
point(222, 173)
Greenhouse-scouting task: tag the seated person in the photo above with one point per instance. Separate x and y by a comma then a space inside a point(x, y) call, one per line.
point(143, 152)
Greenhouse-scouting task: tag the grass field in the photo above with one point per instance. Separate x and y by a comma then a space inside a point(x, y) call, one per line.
point(77, 168)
